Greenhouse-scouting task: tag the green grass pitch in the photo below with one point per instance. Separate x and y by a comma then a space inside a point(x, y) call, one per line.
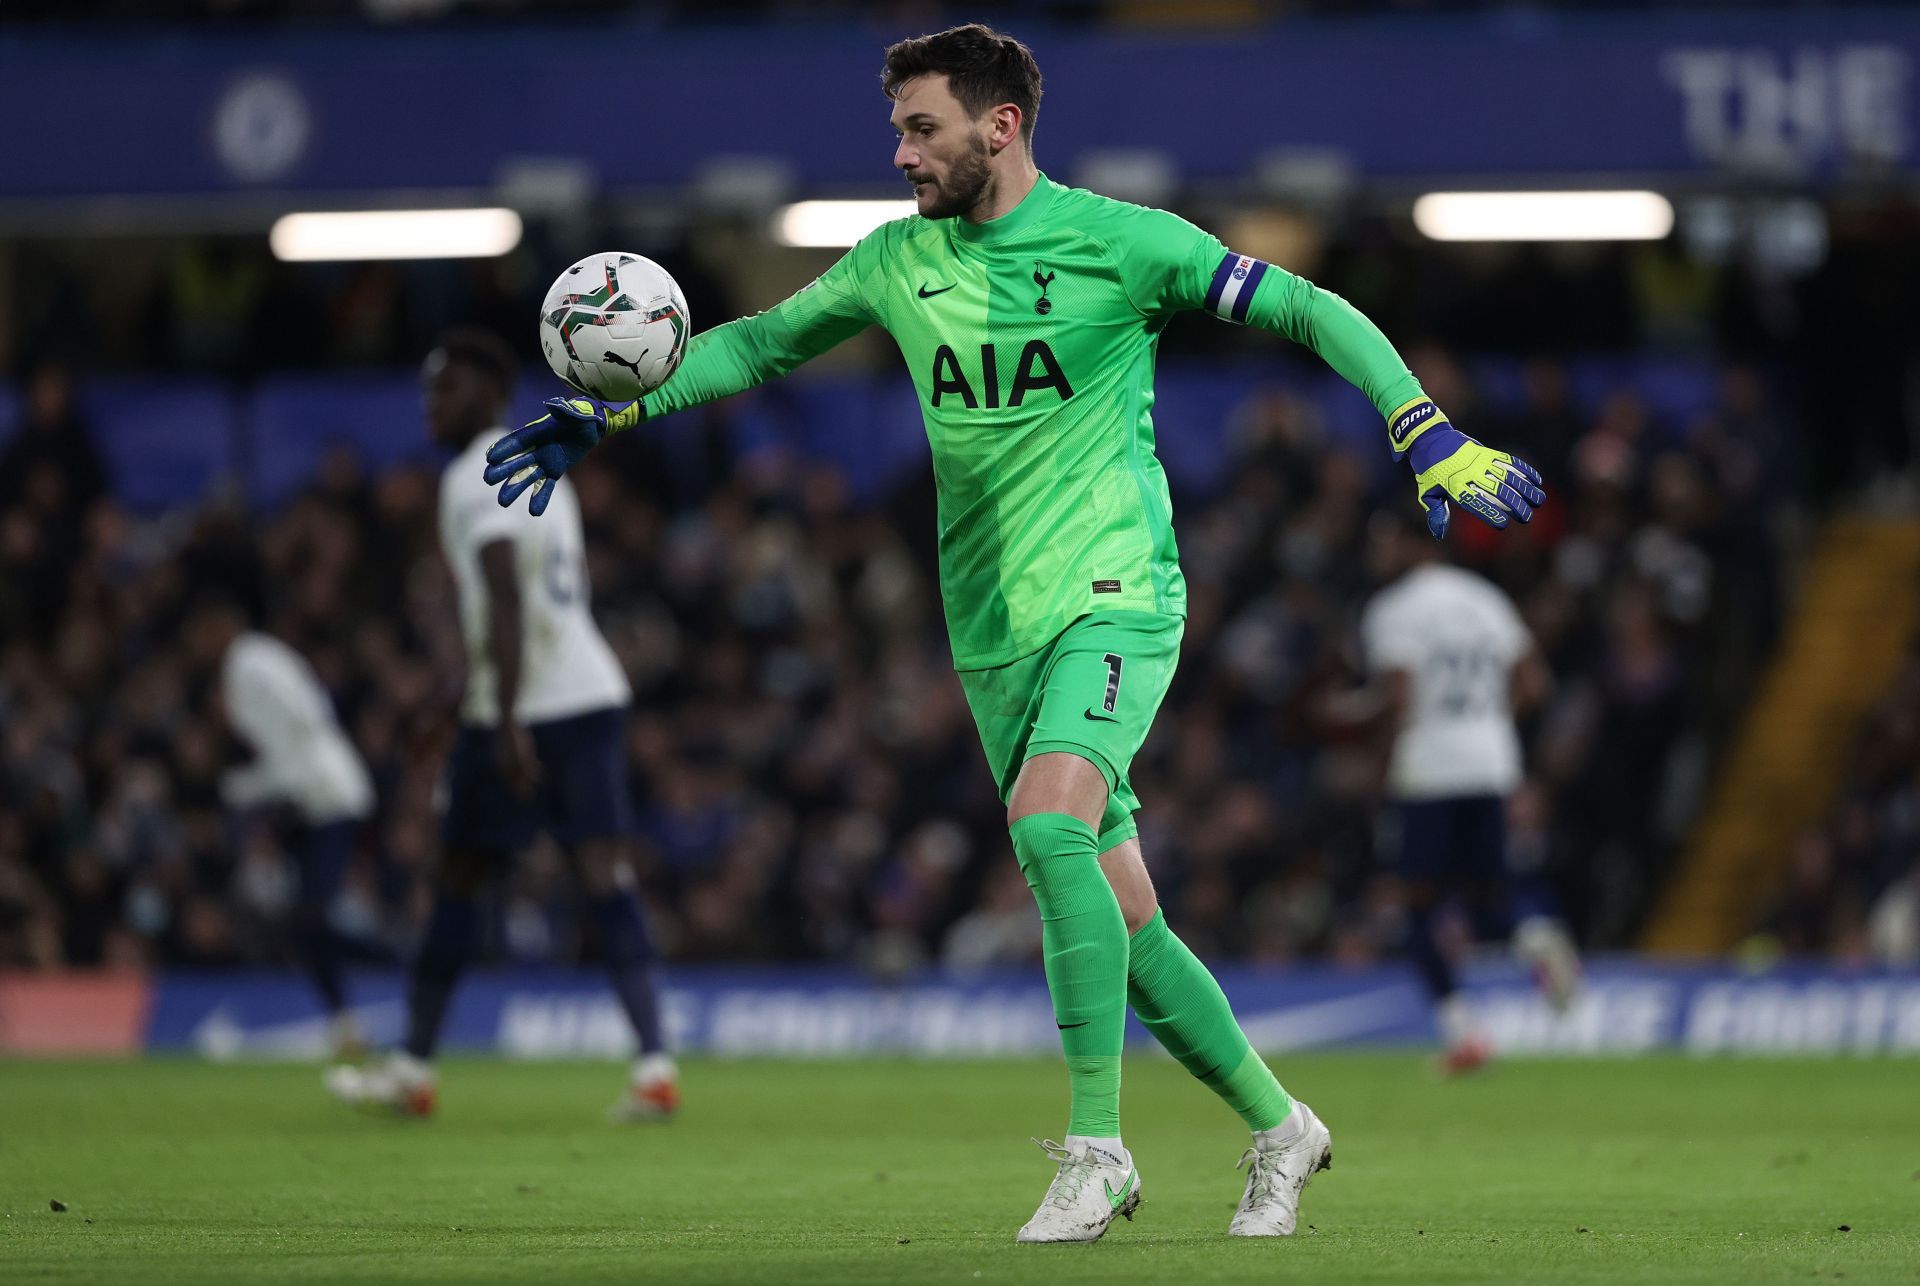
point(1663, 1170)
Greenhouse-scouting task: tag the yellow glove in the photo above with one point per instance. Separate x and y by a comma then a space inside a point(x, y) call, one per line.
point(1449, 465)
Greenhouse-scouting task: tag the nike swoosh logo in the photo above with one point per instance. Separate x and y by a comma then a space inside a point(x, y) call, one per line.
point(1100, 718)
point(1115, 1198)
point(1071, 1026)
point(929, 294)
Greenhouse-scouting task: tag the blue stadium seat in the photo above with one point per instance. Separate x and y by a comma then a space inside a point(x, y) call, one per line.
point(1680, 390)
point(1500, 383)
point(1193, 404)
point(166, 441)
point(1676, 390)
point(169, 440)
point(899, 448)
point(843, 423)
point(9, 412)
point(297, 419)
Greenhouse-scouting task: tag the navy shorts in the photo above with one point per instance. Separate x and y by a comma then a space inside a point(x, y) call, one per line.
point(1454, 841)
point(323, 854)
point(583, 792)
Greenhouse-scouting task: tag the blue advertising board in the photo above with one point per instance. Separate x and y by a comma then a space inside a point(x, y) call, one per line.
point(1628, 1007)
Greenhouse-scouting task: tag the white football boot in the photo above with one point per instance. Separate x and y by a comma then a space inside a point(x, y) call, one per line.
point(1091, 1187)
point(1543, 945)
point(1279, 1167)
point(400, 1083)
point(653, 1091)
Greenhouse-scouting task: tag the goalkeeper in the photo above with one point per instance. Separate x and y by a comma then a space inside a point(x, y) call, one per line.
point(1029, 313)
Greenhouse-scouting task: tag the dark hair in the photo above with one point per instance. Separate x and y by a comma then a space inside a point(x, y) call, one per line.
point(983, 68)
point(483, 351)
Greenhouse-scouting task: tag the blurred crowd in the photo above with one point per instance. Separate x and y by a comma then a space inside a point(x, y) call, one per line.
point(1854, 887)
point(1833, 334)
point(809, 778)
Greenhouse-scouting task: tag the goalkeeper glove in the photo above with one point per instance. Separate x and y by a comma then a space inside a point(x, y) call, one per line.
point(536, 455)
point(1449, 465)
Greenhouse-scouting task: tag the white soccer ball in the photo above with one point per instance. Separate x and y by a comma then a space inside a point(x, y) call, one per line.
point(614, 326)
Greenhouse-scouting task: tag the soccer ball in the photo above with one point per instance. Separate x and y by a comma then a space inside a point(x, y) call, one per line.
point(614, 326)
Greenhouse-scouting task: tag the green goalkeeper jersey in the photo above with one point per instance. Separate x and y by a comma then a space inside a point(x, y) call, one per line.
point(1031, 340)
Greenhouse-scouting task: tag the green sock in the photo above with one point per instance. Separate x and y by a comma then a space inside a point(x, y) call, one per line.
point(1186, 1011)
point(1084, 938)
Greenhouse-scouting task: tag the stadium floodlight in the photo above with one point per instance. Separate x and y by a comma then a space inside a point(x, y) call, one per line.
point(394, 234)
point(1543, 216)
point(834, 223)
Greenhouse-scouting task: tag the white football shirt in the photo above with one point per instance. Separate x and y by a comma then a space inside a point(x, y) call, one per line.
point(1458, 638)
point(566, 667)
point(276, 704)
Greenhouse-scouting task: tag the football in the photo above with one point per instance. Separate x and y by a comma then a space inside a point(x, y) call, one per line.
point(614, 326)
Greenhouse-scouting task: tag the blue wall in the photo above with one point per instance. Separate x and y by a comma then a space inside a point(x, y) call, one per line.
point(1492, 94)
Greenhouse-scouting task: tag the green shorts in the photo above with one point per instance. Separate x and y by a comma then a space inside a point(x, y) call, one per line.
point(1091, 692)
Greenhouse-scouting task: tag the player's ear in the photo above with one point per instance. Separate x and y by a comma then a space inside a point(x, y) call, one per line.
point(1003, 127)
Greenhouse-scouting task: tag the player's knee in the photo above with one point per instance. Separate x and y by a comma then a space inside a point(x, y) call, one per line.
point(1058, 782)
point(1035, 803)
point(1132, 887)
point(1126, 873)
point(1138, 908)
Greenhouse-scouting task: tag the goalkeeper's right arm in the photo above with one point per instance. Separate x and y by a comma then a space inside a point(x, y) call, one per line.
point(725, 360)
point(742, 354)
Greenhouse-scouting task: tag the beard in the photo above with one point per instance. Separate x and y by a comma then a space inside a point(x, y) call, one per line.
point(965, 184)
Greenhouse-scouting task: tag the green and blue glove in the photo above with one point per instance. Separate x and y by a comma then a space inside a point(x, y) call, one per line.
point(1450, 466)
point(536, 455)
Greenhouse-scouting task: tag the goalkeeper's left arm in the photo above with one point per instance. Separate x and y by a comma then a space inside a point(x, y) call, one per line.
point(1171, 265)
point(1447, 464)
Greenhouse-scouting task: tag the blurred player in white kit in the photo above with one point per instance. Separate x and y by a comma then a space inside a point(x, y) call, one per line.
point(306, 768)
point(540, 746)
point(1451, 662)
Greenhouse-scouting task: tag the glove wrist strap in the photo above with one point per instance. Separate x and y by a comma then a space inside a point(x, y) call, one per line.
point(626, 417)
point(1411, 422)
